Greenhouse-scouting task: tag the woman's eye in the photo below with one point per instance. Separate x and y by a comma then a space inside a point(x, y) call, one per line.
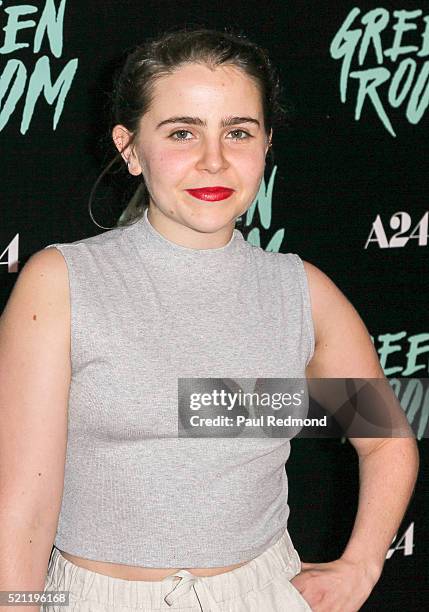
point(247, 135)
point(180, 132)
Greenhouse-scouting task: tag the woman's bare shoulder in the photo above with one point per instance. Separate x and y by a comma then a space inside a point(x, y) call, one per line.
point(343, 345)
point(37, 313)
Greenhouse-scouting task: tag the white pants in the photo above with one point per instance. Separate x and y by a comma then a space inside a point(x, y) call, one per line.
point(261, 585)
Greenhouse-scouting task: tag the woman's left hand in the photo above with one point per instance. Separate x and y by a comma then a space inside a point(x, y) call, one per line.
point(338, 586)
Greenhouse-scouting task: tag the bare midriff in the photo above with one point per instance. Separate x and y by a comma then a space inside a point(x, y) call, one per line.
point(132, 572)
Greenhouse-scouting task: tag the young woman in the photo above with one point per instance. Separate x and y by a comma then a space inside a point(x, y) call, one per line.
point(97, 333)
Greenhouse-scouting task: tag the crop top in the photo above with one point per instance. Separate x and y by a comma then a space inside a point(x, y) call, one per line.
point(145, 311)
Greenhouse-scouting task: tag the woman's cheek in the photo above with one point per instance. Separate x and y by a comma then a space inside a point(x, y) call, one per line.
point(252, 159)
point(170, 164)
point(252, 167)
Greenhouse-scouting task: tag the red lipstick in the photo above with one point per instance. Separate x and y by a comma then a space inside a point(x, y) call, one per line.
point(211, 194)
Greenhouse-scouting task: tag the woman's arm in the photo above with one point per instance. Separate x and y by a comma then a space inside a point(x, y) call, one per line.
point(388, 467)
point(34, 384)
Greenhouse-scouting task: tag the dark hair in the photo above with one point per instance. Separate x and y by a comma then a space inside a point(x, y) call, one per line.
point(134, 82)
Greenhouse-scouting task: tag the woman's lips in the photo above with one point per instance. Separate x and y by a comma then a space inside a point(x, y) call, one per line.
point(211, 194)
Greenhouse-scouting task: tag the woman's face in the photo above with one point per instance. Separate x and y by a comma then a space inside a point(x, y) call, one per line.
point(195, 151)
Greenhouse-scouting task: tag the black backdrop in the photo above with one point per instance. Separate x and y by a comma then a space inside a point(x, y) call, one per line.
point(343, 185)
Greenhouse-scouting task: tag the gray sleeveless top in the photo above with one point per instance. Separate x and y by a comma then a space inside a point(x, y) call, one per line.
point(145, 311)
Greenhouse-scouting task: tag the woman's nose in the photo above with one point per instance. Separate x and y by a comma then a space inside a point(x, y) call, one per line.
point(212, 156)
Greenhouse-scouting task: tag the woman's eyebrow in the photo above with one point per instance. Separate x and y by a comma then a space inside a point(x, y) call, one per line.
point(197, 121)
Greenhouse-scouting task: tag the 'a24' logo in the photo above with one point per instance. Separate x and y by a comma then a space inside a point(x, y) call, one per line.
point(400, 221)
point(405, 543)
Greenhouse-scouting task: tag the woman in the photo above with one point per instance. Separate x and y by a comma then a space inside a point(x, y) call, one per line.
point(107, 325)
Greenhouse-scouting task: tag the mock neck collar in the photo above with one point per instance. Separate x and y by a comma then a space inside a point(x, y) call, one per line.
point(151, 237)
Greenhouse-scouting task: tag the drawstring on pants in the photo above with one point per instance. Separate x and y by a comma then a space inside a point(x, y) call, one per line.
point(185, 584)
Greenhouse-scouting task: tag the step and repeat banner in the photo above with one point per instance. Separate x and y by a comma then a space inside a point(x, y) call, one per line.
point(347, 191)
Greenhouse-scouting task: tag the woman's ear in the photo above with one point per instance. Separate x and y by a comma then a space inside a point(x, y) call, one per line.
point(269, 141)
point(123, 142)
